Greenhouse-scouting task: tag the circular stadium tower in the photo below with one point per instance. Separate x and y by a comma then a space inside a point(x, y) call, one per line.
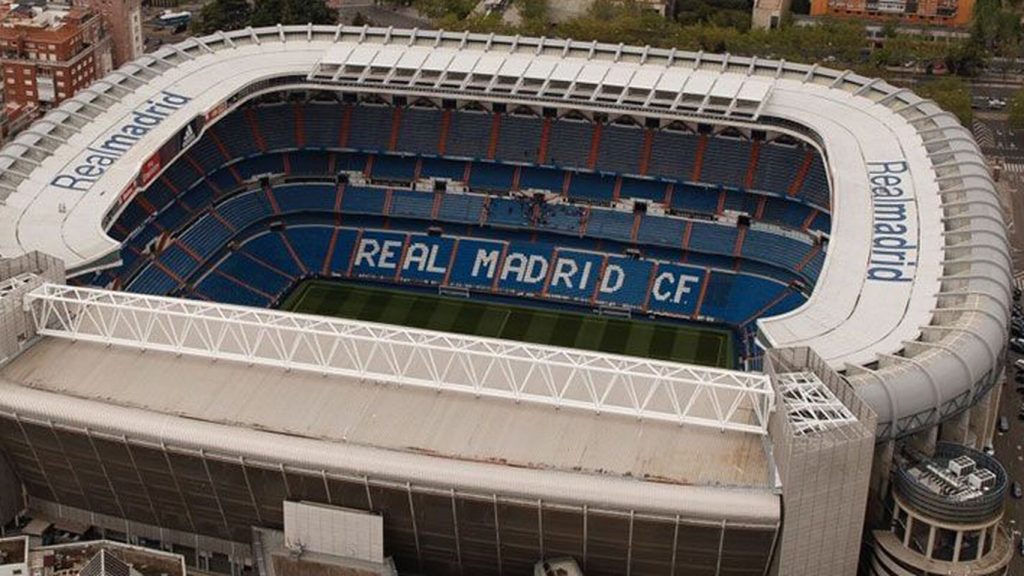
point(521, 298)
point(946, 511)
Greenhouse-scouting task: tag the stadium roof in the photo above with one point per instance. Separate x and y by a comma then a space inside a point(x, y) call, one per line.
point(912, 300)
point(356, 428)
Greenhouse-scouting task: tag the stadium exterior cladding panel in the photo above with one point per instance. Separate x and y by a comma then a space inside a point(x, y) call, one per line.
point(912, 301)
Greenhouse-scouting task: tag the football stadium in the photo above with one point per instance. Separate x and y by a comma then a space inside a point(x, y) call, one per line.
point(513, 299)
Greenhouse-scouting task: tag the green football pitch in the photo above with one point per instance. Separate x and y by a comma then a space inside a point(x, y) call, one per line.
point(679, 343)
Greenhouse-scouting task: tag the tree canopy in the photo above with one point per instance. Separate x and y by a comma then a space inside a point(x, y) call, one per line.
point(951, 94)
point(222, 15)
point(235, 14)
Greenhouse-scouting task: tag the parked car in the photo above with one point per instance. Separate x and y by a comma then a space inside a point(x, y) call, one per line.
point(989, 450)
point(1004, 424)
point(1016, 490)
point(1019, 363)
point(1017, 345)
point(1016, 293)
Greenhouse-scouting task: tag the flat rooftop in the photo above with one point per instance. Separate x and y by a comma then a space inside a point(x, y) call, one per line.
point(402, 419)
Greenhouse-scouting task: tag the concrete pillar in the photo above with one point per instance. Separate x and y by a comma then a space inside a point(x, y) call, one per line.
point(924, 441)
point(955, 429)
point(931, 541)
point(957, 544)
point(881, 468)
point(984, 415)
point(910, 528)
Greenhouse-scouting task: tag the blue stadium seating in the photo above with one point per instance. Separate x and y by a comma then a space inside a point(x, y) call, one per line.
point(593, 187)
point(611, 224)
point(786, 213)
point(371, 128)
point(542, 179)
point(520, 138)
point(309, 162)
point(621, 148)
point(270, 249)
point(815, 185)
point(245, 209)
point(412, 204)
point(777, 167)
point(205, 236)
point(469, 134)
point(305, 197)
point(712, 238)
point(653, 190)
point(419, 130)
point(564, 218)
point(569, 143)
point(394, 168)
point(464, 208)
point(774, 248)
point(218, 288)
point(822, 223)
point(359, 200)
point(441, 168)
point(276, 124)
point(322, 124)
point(234, 133)
point(693, 198)
point(673, 154)
point(726, 161)
point(509, 212)
point(311, 244)
point(152, 280)
point(733, 298)
point(486, 176)
point(661, 230)
point(521, 227)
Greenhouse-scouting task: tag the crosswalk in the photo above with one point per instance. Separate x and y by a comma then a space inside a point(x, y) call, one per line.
point(983, 134)
point(1013, 168)
point(1018, 280)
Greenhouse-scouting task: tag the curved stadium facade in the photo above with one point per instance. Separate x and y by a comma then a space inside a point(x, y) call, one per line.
point(840, 238)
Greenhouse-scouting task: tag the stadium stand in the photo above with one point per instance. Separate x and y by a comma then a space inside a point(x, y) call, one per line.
point(210, 214)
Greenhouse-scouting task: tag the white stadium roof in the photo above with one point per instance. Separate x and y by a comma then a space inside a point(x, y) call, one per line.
point(912, 300)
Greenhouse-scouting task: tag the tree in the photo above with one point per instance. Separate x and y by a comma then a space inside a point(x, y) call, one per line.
point(222, 15)
point(1017, 111)
point(274, 12)
point(951, 94)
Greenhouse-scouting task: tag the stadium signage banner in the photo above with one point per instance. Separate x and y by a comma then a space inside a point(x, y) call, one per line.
point(893, 251)
point(526, 268)
point(97, 159)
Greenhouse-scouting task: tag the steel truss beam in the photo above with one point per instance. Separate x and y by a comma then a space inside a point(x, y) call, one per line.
point(484, 367)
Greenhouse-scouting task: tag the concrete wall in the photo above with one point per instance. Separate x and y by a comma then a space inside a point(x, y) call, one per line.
point(824, 477)
point(16, 329)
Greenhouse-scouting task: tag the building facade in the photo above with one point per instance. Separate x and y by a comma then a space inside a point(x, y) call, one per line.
point(123, 19)
point(929, 12)
point(48, 54)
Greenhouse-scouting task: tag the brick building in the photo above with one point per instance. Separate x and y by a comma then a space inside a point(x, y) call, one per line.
point(927, 12)
point(123, 19)
point(49, 53)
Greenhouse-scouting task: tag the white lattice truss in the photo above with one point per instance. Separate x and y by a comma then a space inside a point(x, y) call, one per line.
point(13, 283)
point(546, 375)
point(811, 406)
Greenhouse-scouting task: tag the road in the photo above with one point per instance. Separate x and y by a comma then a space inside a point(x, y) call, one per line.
point(1004, 147)
point(1010, 451)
